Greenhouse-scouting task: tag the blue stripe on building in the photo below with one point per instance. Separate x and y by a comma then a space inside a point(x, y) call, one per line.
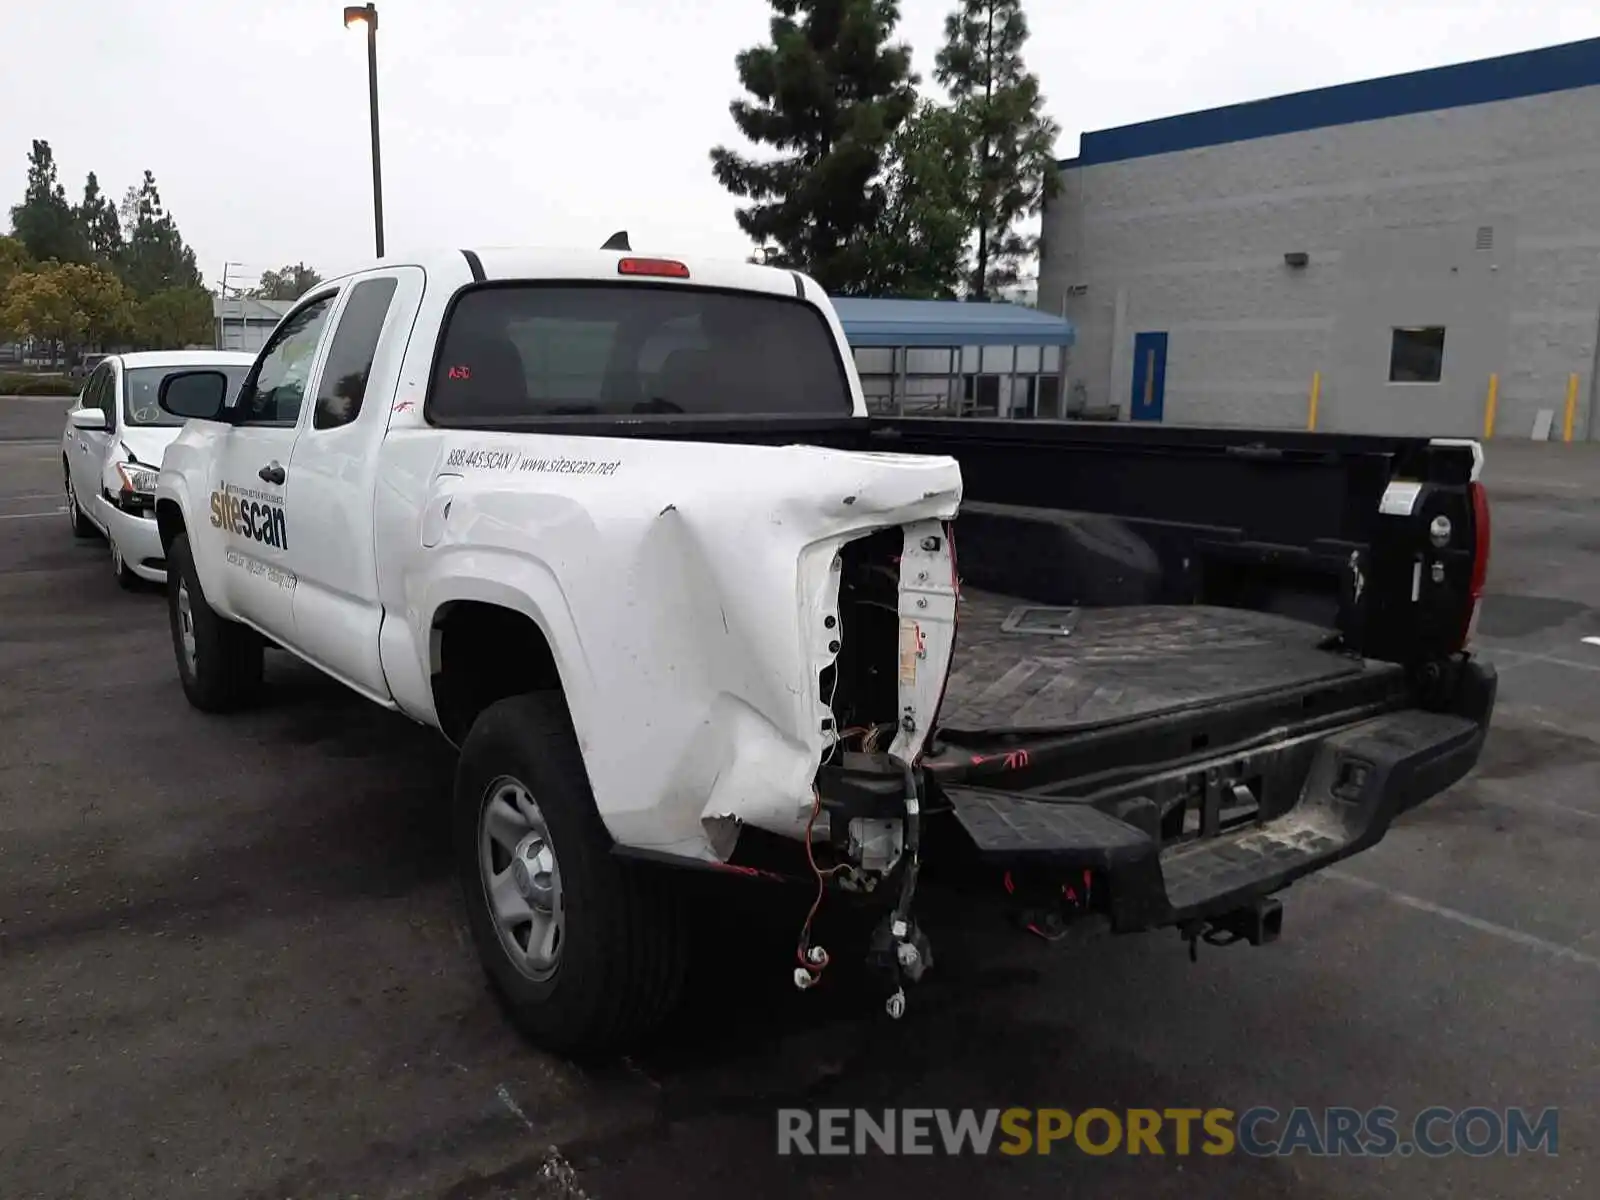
point(1509, 77)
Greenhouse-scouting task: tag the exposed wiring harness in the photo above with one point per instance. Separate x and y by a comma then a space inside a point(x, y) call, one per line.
point(913, 861)
point(813, 960)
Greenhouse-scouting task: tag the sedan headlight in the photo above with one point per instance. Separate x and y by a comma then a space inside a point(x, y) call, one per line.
point(137, 478)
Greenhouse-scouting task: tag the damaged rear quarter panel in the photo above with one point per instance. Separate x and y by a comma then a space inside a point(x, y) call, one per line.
point(684, 593)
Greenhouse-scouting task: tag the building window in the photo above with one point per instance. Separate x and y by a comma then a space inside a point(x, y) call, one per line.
point(1417, 354)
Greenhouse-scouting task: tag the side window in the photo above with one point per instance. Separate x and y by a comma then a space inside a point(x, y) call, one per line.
point(272, 395)
point(90, 396)
point(86, 396)
point(355, 341)
point(108, 397)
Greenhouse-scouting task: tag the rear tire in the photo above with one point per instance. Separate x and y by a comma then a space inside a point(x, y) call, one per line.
point(219, 661)
point(622, 936)
point(82, 527)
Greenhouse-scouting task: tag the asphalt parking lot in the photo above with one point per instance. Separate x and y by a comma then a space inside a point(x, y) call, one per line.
point(232, 963)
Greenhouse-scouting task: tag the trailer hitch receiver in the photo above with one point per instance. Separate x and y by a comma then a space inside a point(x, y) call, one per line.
point(1259, 922)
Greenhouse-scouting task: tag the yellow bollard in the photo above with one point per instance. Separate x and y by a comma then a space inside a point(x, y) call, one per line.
point(1572, 408)
point(1316, 394)
point(1488, 408)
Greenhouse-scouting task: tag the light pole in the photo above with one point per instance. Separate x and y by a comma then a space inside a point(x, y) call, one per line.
point(367, 14)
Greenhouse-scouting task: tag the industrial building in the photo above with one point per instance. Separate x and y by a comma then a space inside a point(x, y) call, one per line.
point(1418, 254)
point(245, 322)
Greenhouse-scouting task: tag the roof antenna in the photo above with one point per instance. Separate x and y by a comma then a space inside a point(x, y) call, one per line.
point(617, 241)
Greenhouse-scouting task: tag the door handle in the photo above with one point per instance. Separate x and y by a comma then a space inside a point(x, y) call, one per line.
point(272, 473)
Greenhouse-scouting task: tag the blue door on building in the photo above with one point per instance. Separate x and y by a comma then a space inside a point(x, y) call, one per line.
point(1149, 376)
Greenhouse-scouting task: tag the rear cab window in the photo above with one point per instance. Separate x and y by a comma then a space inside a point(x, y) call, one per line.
point(530, 352)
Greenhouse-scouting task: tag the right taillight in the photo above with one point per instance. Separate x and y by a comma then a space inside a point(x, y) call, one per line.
point(1480, 556)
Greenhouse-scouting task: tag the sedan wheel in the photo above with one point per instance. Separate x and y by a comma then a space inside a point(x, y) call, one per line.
point(80, 523)
point(119, 567)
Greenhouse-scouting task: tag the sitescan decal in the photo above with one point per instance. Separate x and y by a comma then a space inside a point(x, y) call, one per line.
point(250, 514)
point(254, 566)
point(490, 459)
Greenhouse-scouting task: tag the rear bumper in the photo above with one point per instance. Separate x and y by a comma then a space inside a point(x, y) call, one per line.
point(1345, 790)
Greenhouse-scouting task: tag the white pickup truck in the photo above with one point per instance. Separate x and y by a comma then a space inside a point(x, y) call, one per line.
point(621, 528)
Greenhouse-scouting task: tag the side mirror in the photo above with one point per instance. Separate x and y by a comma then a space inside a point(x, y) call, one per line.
point(87, 418)
point(200, 395)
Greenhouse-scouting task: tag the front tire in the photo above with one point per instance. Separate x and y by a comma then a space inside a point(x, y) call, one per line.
point(126, 579)
point(588, 951)
point(219, 661)
point(82, 527)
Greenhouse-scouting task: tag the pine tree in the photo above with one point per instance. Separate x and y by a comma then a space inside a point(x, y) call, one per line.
point(44, 222)
point(828, 94)
point(99, 223)
point(1012, 141)
point(154, 256)
point(289, 282)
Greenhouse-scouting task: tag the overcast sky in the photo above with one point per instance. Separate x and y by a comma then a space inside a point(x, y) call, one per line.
point(558, 121)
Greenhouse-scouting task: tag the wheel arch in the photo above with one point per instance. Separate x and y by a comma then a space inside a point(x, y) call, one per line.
point(170, 522)
point(481, 651)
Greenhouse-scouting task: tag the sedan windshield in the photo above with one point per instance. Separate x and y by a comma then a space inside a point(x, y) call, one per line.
point(141, 387)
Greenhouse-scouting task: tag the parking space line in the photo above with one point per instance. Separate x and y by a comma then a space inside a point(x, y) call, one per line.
point(1504, 932)
point(1554, 659)
point(54, 512)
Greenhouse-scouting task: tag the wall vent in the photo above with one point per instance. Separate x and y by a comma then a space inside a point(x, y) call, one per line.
point(1485, 237)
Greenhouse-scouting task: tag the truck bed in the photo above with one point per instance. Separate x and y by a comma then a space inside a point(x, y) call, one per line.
point(1015, 671)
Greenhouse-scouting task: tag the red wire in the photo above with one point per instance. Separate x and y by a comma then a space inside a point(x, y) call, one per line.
point(822, 876)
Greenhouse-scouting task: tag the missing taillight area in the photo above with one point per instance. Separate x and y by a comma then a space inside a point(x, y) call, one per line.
point(660, 268)
point(896, 636)
point(865, 688)
point(1479, 497)
point(1480, 537)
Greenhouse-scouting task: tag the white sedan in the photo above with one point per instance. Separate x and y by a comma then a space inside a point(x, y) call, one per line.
point(112, 448)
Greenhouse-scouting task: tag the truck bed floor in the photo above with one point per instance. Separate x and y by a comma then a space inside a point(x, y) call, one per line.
point(1014, 670)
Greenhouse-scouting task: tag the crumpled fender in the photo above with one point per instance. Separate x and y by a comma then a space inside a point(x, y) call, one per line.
point(684, 593)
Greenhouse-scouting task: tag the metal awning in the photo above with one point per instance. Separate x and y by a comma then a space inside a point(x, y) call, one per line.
point(870, 322)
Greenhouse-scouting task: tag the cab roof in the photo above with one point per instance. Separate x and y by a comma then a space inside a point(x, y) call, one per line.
point(489, 263)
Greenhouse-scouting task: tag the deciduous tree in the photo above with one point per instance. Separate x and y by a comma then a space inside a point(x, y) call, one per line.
point(1012, 140)
point(286, 283)
point(918, 247)
point(173, 319)
point(68, 303)
point(13, 261)
point(826, 97)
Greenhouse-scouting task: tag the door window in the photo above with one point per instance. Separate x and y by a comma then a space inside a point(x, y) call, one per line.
point(93, 395)
point(355, 341)
point(108, 398)
point(273, 393)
